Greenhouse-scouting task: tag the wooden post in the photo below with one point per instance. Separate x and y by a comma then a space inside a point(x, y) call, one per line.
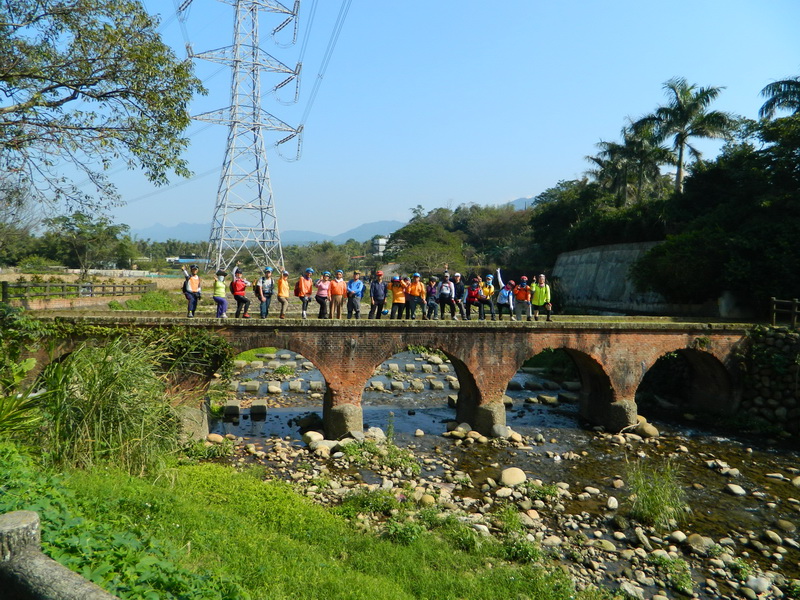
point(5, 292)
point(795, 304)
point(773, 310)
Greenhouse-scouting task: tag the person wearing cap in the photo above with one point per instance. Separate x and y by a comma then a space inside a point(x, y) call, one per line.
point(191, 289)
point(445, 292)
point(522, 299)
point(283, 293)
point(486, 298)
point(239, 287)
point(304, 289)
point(541, 298)
point(505, 297)
point(460, 294)
point(219, 295)
point(337, 294)
point(430, 298)
point(378, 291)
point(355, 291)
point(473, 294)
point(398, 288)
point(415, 296)
point(263, 287)
point(323, 294)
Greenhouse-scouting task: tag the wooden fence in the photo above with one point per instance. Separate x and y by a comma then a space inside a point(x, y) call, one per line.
point(792, 307)
point(52, 290)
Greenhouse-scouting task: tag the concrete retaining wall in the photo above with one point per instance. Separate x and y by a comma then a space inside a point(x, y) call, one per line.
point(27, 574)
point(596, 279)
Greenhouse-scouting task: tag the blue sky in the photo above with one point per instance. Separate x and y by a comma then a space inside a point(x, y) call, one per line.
point(443, 103)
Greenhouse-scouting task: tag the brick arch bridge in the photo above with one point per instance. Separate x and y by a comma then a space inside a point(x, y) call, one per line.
point(611, 357)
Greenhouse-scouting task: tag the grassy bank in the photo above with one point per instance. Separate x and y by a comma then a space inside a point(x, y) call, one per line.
point(210, 531)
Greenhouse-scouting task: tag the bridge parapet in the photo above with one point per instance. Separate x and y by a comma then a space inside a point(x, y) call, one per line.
point(612, 357)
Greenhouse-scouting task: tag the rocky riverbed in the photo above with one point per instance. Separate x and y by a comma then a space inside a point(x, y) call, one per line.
point(567, 486)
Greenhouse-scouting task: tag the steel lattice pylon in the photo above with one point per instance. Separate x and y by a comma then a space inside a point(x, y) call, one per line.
point(245, 220)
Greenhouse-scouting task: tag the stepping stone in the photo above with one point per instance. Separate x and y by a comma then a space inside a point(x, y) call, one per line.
point(444, 368)
point(268, 356)
point(454, 385)
point(296, 386)
point(258, 408)
point(393, 368)
point(315, 386)
point(533, 386)
point(239, 364)
point(274, 387)
point(307, 365)
point(427, 368)
point(398, 385)
point(251, 386)
point(514, 385)
point(417, 384)
point(572, 386)
point(568, 397)
point(231, 408)
point(437, 385)
point(257, 364)
point(233, 386)
point(273, 364)
point(551, 385)
point(452, 401)
point(411, 368)
point(377, 386)
point(284, 356)
point(545, 399)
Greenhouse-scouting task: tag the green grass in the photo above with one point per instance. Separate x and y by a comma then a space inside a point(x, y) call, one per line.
point(657, 497)
point(158, 300)
point(250, 355)
point(210, 531)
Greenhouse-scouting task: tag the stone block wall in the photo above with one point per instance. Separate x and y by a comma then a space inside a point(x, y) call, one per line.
point(772, 385)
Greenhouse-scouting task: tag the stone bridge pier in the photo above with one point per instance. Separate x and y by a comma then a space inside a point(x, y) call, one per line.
point(611, 358)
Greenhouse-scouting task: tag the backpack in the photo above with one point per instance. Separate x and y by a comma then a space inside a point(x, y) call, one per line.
point(297, 290)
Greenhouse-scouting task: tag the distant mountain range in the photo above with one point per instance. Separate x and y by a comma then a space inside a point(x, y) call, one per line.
point(199, 232)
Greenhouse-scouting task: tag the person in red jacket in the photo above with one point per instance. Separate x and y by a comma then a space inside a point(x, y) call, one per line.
point(239, 287)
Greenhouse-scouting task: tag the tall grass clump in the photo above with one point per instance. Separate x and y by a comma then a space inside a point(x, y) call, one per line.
point(106, 405)
point(657, 497)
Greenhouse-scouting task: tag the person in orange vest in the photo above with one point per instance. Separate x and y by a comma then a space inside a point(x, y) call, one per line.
point(415, 296)
point(337, 294)
point(398, 289)
point(522, 299)
point(283, 293)
point(191, 289)
point(304, 289)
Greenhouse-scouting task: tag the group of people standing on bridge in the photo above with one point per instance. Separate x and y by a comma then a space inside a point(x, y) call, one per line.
point(402, 297)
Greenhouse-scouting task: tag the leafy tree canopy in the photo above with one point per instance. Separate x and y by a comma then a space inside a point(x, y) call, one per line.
point(84, 83)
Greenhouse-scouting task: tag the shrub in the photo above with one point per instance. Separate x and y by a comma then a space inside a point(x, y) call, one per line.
point(106, 405)
point(657, 497)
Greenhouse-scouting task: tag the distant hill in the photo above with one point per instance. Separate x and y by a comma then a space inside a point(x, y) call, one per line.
point(522, 203)
point(199, 232)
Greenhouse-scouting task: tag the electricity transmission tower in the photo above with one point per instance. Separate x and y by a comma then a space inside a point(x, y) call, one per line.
point(245, 220)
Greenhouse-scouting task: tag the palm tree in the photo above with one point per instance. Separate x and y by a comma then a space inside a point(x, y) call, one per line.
point(631, 164)
point(686, 116)
point(781, 94)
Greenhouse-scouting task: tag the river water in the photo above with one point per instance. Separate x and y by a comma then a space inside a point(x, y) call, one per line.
point(570, 452)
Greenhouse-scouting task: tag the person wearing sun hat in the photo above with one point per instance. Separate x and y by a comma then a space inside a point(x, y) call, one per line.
point(415, 297)
point(264, 287)
point(378, 292)
point(505, 297)
point(322, 296)
point(304, 289)
point(485, 298)
point(355, 291)
point(337, 294)
point(398, 289)
point(541, 298)
point(522, 299)
point(219, 295)
point(283, 293)
point(191, 289)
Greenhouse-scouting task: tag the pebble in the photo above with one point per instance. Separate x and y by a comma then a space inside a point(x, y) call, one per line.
point(736, 490)
point(512, 476)
point(612, 503)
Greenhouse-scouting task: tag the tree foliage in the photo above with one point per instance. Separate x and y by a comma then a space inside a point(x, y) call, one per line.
point(84, 83)
point(84, 242)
